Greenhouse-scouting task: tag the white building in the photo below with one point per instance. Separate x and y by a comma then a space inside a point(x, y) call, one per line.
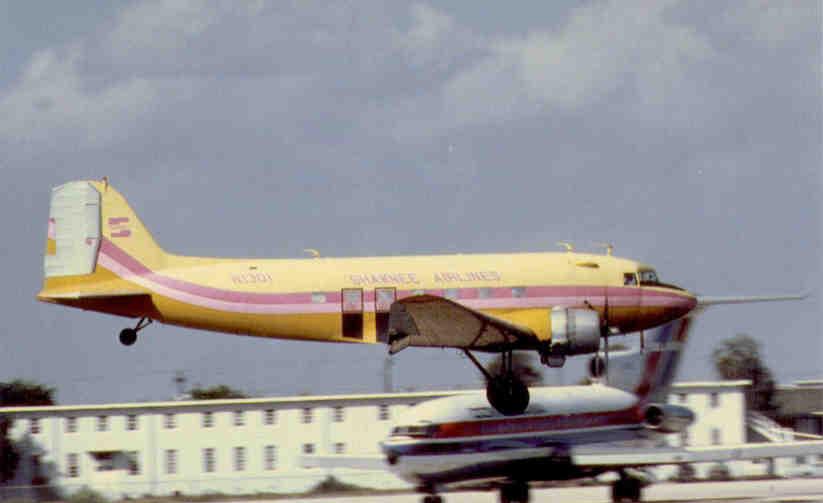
point(252, 446)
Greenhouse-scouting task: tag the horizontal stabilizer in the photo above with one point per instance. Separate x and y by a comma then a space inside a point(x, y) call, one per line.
point(92, 295)
point(713, 301)
point(592, 457)
point(376, 462)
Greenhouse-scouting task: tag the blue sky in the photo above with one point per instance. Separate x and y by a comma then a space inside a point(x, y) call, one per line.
point(687, 134)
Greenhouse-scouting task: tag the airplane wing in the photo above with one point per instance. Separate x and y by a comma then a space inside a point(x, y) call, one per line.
point(634, 457)
point(375, 462)
point(428, 320)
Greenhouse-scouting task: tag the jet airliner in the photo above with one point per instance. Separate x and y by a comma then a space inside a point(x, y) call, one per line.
point(566, 433)
point(100, 257)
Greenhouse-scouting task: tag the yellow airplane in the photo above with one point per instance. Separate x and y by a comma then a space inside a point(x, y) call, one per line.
point(100, 257)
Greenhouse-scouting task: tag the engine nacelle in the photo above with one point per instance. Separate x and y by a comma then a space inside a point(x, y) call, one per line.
point(574, 331)
point(667, 418)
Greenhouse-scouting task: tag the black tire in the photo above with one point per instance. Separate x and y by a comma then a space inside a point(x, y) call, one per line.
point(626, 490)
point(514, 492)
point(128, 336)
point(507, 394)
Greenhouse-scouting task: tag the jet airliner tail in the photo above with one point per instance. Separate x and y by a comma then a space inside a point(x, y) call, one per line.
point(94, 241)
point(650, 372)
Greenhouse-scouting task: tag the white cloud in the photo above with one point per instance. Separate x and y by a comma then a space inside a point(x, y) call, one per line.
point(53, 106)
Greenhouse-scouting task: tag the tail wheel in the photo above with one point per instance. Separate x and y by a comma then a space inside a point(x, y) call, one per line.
point(128, 336)
point(508, 394)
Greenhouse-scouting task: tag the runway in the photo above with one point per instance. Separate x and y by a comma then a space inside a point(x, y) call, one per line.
point(794, 490)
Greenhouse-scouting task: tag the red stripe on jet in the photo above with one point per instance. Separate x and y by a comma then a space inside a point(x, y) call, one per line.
point(532, 424)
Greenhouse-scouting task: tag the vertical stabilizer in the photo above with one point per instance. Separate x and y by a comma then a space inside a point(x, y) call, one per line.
point(95, 243)
point(650, 373)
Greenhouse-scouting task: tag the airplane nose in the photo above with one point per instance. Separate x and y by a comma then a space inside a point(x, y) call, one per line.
point(682, 305)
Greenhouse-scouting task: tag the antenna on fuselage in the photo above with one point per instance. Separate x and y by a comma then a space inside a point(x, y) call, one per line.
point(311, 251)
point(565, 244)
point(608, 246)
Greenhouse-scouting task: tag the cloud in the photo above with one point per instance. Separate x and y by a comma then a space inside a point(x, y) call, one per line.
point(52, 106)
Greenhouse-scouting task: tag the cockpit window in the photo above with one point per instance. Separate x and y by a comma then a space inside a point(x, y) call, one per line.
point(648, 278)
point(629, 279)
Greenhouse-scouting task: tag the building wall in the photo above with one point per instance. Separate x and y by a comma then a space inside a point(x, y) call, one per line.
point(121, 461)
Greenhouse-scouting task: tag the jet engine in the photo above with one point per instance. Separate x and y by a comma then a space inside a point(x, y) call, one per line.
point(574, 331)
point(667, 418)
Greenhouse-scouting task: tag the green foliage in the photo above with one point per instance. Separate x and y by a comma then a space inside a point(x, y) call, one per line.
point(17, 393)
point(86, 495)
point(216, 393)
point(719, 471)
point(330, 485)
point(739, 358)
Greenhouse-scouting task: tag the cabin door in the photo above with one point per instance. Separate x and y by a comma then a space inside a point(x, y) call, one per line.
point(352, 309)
point(383, 299)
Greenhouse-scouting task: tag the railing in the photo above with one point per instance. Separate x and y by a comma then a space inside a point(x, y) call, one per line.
point(768, 428)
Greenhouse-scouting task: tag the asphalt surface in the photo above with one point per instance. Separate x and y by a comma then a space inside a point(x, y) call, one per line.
point(792, 490)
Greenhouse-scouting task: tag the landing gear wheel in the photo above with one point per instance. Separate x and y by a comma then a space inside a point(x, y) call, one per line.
point(626, 489)
point(553, 361)
point(508, 394)
point(128, 336)
point(432, 498)
point(514, 492)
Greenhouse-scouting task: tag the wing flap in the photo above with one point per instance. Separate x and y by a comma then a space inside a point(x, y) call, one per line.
point(432, 321)
point(679, 455)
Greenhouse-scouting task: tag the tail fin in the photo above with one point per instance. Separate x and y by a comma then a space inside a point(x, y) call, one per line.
point(650, 373)
point(88, 220)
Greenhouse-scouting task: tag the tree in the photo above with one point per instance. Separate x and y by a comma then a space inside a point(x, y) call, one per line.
point(739, 358)
point(16, 393)
point(218, 392)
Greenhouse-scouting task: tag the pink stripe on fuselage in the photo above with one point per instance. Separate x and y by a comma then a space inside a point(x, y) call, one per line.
point(124, 265)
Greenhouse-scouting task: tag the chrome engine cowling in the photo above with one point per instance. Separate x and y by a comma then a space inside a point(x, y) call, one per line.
point(574, 331)
point(667, 418)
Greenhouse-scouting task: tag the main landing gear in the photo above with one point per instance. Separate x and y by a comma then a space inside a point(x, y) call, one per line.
point(626, 488)
point(128, 336)
point(506, 392)
point(514, 492)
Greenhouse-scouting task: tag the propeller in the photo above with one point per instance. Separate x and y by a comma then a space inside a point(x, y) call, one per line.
point(604, 333)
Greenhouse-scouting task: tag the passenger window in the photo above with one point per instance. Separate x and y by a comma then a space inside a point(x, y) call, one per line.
point(629, 279)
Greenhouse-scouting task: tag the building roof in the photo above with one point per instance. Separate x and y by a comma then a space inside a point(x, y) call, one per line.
point(293, 401)
point(694, 385)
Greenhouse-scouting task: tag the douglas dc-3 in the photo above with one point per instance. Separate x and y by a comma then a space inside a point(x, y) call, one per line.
point(567, 432)
point(100, 257)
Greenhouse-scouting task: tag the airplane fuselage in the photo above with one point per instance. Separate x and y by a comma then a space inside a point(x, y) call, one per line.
point(461, 438)
point(348, 299)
